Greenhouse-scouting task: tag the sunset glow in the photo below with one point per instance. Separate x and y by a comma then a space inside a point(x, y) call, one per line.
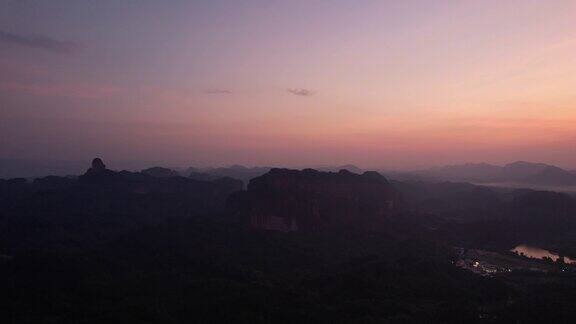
point(391, 84)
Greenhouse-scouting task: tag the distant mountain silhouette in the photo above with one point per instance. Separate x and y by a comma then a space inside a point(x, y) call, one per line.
point(520, 172)
point(201, 175)
point(349, 167)
point(465, 172)
point(246, 174)
point(160, 172)
point(239, 172)
point(33, 168)
point(552, 175)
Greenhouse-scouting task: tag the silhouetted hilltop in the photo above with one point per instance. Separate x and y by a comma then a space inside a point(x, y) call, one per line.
point(519, 172)
point(286, 199)
point(199, 174)
point(33, 168)
point(160, 172)
point(98, 173)
point(349, 167)
point(239, 172)
point(553, 176)
point(236, 172)
point(103, 198)
point(246, 174)
point(466, 172)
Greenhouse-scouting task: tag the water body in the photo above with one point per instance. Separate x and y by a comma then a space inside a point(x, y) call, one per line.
point(538, 253)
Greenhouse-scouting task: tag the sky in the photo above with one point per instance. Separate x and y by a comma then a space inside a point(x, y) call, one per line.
point(380, 84)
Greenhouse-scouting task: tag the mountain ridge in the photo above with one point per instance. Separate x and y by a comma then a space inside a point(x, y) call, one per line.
point(521, 172)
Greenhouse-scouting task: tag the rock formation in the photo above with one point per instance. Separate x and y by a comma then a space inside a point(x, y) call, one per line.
point(288, 200)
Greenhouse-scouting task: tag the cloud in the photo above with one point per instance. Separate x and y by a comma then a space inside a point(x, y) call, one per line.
point(218, 91)
point(301, 92)
point(40, 42)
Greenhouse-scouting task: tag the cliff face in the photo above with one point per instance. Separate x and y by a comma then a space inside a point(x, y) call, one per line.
point(288, 200)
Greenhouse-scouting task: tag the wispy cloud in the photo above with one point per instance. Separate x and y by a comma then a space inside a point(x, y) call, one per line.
point(301, 92)
point(218, 91)
point(40, 42)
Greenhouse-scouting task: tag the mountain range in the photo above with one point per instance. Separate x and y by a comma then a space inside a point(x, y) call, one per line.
point(519, 172)
point(299, 246)
point(245, 174)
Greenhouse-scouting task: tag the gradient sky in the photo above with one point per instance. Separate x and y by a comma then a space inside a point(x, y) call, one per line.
point(394, 84)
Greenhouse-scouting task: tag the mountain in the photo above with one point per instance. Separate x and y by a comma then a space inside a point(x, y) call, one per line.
point(239, 172)
point(465, 172)
point(552, 176)
point(348, 167)
point(520, 172)
point(310, 200)
point(246, 174)
point(202, 176)
point(34, 168)
point(160, 172)
point(101, 202)
point(537, 174)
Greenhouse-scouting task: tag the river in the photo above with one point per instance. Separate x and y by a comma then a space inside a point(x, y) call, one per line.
point(538, 253)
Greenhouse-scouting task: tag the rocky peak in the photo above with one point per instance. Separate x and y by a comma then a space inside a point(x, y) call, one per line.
point(98, 165)
point(312, 200)
point(97, 172)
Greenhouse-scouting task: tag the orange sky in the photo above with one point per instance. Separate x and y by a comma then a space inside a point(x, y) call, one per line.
point(376, 83)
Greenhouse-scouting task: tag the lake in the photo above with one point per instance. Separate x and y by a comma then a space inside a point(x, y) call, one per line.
point(538, 253)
